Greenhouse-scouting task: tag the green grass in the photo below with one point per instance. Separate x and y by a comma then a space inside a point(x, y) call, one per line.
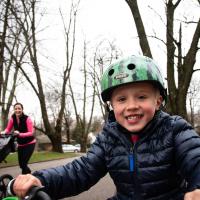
point(12, 159)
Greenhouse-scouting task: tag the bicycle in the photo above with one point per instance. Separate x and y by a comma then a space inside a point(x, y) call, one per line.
point(7, 145)
point(4, 180)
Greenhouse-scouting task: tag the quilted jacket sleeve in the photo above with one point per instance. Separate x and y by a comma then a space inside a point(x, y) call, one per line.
point(77, 176)
point(187, 148)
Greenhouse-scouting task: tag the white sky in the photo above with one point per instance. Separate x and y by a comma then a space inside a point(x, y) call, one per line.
point(111, 19)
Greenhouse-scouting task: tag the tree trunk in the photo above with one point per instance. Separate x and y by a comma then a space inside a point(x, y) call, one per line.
point(140, 27)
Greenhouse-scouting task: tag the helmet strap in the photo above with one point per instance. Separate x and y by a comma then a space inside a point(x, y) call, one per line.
point(107, 107)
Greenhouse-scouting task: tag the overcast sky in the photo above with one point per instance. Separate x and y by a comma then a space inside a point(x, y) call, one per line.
point(111, 19)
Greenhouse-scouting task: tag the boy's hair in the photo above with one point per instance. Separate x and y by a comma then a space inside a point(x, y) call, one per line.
point(129, 70)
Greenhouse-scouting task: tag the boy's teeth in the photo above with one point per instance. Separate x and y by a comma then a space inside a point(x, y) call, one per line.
point(132, 117)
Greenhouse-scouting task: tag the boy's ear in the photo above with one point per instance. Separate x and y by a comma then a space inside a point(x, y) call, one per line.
point(110, 105)
point(159, 102)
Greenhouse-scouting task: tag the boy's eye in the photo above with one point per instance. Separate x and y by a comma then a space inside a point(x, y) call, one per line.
point(142, 97)
point(120, 99)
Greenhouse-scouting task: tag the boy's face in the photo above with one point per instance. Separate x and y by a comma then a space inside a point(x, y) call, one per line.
point(135, 104)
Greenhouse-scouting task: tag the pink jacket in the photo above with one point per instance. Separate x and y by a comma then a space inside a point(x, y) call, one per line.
point(30, 128)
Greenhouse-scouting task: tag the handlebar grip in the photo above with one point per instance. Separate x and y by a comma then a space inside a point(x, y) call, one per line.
point(36, 193)
point(42, 195)
point(5, 135)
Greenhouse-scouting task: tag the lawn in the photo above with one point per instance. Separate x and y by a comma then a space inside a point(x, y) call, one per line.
point(12, 160)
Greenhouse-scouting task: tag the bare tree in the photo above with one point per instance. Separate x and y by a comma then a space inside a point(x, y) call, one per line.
point(53, 99)
point(84, 120)
point(105, 53)
point(193, 100)
point(4, 19)
point(12, 53)
point(28, 25)
point(67, 125)
point(176, 60)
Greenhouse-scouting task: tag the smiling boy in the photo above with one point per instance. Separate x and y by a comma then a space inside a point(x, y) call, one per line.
point(135, 104)
point(149, 154)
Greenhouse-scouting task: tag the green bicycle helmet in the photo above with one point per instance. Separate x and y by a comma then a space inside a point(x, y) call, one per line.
point(129, 70)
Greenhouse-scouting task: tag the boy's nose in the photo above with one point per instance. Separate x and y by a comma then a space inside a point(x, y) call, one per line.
point(132, 104)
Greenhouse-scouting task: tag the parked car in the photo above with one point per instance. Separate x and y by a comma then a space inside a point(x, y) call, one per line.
point(78, 145)
point(70, 148)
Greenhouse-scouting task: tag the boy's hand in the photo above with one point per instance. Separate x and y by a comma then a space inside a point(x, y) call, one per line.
point(23, 183)
point(194, 195)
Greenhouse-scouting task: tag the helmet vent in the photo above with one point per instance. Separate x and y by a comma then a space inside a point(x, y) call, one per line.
point(131, 66)
point(111, 72)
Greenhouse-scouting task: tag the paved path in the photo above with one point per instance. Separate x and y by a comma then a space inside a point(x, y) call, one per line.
point(101, 191)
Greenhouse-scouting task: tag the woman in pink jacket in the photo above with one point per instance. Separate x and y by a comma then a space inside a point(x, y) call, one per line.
point(23, 128)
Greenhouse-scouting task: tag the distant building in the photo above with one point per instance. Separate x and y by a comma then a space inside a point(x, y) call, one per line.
point(43, 143)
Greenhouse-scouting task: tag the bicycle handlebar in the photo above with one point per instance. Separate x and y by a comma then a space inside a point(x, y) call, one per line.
point(34, 193)
point(6, 135)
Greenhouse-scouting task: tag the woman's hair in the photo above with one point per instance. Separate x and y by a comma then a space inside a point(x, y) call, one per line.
point(19, 104)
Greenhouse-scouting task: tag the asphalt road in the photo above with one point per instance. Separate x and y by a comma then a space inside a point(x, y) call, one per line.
point(101, 191)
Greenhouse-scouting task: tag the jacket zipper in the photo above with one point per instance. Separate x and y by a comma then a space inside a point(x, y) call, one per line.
point(132, 166)
point(131, 159)
point(134, 139)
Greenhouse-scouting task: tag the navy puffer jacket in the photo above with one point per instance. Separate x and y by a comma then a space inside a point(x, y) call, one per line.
point(166, 160)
